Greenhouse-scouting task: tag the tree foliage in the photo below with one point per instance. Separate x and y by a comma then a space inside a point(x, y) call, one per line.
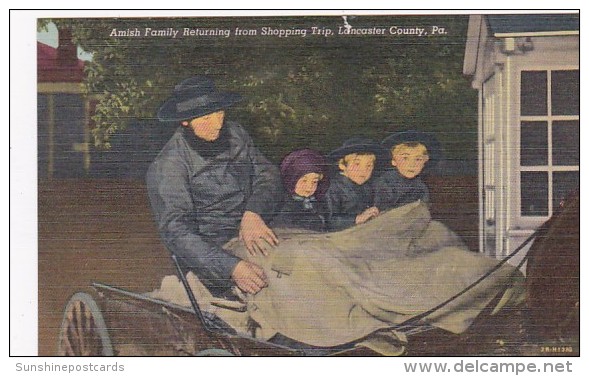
point(311, 91)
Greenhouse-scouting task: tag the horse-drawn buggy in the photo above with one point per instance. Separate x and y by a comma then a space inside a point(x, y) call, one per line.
point(457, 306)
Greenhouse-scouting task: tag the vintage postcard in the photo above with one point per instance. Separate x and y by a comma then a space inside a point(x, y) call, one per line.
point(328, 184)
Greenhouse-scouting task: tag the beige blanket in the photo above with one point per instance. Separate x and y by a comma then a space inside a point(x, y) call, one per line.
point(334, 288)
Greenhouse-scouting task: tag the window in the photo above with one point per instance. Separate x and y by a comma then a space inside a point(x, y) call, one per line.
point(61, 135)
point(549, 139)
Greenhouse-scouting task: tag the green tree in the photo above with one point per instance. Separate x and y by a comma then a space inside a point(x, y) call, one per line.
point(311, 91)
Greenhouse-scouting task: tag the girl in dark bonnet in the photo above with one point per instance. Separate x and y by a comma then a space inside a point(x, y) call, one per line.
point(304, 177)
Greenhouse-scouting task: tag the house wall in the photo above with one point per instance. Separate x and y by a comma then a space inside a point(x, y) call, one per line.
point(63, 133)
point(499, 63)
point(62, 111)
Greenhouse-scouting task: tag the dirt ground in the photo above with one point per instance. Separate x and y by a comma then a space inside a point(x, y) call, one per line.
point(93, 231)
point(103, 231)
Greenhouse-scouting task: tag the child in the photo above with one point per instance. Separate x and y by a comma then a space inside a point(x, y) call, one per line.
point(350, 195)
point(305, 180)
point(401, 184)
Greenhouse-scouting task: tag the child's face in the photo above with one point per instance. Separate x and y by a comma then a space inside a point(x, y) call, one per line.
point(307, 184)
point(358, 168)
point(409, 161)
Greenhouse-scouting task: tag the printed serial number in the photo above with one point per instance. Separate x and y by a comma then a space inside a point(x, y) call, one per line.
point(556, 349)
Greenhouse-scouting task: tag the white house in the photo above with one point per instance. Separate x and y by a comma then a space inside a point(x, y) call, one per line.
point(526, 70)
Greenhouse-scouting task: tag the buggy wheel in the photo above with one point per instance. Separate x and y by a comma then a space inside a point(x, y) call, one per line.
point(83, 330)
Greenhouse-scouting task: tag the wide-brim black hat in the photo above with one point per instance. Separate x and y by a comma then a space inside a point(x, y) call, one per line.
point(434, 149)
point(361, 145)
point(193, 98)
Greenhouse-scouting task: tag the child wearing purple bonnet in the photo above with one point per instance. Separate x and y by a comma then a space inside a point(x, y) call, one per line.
point(304, 177)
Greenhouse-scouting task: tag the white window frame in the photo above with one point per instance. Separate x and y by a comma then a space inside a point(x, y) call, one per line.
point(530, 222)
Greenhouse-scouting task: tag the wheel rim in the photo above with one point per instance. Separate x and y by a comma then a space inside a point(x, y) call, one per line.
point(83, 330)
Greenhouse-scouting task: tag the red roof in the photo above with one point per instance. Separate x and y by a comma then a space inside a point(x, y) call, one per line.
point(58, 66)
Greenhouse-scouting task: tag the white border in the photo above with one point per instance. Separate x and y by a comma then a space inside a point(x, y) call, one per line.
point(23, 186)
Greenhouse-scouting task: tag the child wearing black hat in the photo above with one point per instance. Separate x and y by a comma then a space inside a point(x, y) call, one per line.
point(401, 184)
point(350, 196)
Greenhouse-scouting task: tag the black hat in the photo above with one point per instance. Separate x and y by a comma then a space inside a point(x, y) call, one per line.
point(434, 149)
point(195, 97)
point(360, 145)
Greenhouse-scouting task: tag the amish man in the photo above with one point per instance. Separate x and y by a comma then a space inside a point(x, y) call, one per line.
point(210, 184)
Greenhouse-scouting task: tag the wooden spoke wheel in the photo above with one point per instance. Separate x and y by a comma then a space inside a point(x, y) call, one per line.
point(83, 331)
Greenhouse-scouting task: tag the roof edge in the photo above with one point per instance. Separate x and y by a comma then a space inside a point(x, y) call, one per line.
point(537, 34)
point(475, 24)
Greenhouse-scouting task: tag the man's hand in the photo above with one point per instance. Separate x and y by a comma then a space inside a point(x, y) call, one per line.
point(255, 234)
point(367, 214)
point(249, 277)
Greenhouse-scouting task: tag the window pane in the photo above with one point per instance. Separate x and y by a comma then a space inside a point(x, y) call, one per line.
point(534, 93)
point(42, 135)
point(565, 143)
point(565, 92)
point(534, 143)
point(69, 125)
point(562, 184)
point(534, 193)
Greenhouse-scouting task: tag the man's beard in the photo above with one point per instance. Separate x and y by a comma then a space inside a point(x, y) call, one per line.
point(208, 149)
